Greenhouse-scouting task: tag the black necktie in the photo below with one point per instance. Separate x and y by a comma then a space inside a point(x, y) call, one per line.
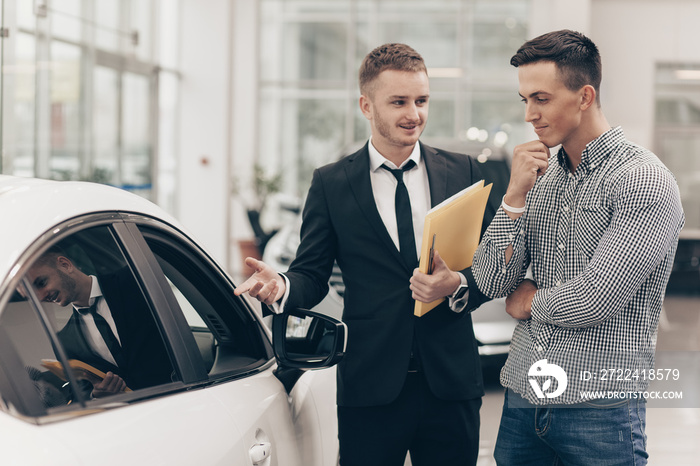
point(106, 332)
point(404, 219)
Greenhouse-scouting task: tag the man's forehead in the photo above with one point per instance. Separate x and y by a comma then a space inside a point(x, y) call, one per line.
point(38, 270)
point(538, 77)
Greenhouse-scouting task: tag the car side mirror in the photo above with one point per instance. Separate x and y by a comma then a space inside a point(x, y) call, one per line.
point(305, 339)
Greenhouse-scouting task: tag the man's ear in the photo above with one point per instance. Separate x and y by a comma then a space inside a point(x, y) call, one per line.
point(588, 96)
point(63, 263)
point(366, 106)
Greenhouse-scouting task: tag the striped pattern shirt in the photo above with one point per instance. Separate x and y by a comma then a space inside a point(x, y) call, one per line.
point(600, 243)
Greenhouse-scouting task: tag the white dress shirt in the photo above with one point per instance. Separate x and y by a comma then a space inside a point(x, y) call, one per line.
point(384, 189)
point(92, 334)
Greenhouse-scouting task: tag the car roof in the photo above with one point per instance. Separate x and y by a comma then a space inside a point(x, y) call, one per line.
point(30, 207)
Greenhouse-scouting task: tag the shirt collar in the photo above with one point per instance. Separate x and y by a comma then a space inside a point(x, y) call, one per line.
point(95, 292)
point(376, 159)
point(596, 151)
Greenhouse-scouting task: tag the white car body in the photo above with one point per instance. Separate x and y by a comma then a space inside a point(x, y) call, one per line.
point(246, 419)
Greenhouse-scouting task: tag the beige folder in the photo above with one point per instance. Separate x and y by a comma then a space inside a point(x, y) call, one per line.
point(456, 225)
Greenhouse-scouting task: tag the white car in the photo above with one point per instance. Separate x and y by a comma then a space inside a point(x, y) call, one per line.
point(207, 384)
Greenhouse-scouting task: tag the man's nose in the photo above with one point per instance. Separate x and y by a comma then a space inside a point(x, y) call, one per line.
point(412, 112)
point(41, 294)
point(531, 114)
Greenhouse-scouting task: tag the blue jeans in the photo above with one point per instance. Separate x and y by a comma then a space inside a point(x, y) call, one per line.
point(592, 433)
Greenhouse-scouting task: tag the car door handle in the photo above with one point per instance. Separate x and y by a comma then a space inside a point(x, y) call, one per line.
point(260, 452)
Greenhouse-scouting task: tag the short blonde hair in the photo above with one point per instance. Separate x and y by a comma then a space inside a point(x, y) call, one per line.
point(398, 57)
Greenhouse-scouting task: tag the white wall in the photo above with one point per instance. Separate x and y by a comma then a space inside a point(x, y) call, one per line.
point(633, 36)
point(551, 15)
point(205, 120)
point(217, 121)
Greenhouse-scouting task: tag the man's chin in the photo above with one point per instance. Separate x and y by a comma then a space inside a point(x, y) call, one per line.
point(410, 140)
point(549, 143)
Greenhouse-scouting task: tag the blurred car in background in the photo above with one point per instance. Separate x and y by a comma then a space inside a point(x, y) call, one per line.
point(493, 327)
point(234, 392)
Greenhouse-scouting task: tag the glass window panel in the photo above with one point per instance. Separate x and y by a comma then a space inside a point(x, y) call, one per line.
point(319, 139)
point(20, 128)
point(226, 334)
point(105, 126)
point(361, 127)
point(25, 14)
point(167, 148)
point(315, 51)
point(31, 342)
point(435, 41)
point(494, 43)
point(122, 337)
point(141, 23)
point(674, 149)
point(271, 28)
point(66, 19)
point(136, 149)
point(494, 111)
point(490, 9)
point(677, 120)
point(341, 7)
point(467, 45)
point(65, 116)
point(108, 19)
point(441, 118)
point(416, 7)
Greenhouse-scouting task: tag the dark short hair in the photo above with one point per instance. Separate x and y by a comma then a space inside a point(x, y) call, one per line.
point(575, 56)
point(398, 57)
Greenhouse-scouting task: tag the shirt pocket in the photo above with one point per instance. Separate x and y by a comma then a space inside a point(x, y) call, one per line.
point(590, 223)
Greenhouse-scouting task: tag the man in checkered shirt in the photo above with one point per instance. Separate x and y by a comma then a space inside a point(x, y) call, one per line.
point(598, 225)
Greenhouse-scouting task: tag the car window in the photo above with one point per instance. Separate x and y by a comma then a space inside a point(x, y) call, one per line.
point(80, 306)
point(229, 338)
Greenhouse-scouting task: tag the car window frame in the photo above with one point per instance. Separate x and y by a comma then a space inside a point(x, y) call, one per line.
point(17, 388)
point(184, 246)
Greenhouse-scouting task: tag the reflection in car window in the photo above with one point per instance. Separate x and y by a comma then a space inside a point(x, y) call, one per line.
point(101, 322)
point(227, 335)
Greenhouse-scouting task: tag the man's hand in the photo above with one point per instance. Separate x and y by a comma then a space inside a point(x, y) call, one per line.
point(110, 385)
point(519, 302)
point(265, 285)
point(530, 160)
point(441, 283)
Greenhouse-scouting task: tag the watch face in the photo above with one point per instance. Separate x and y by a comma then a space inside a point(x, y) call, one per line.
point(461, 291)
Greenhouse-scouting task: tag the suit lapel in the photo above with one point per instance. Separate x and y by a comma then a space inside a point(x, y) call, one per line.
point(357, 171)
point(77, 347)
point(436, 167)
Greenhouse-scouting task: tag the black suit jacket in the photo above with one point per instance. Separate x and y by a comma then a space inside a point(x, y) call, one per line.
point(146, 359)
point(341, 223)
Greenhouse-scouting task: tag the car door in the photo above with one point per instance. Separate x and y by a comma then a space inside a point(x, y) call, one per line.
point(235, 354)
point(232, 412)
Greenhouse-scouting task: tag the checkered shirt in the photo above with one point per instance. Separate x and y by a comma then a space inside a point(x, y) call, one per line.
point(600, 243)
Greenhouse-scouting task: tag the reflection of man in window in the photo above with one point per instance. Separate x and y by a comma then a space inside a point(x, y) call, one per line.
point(111, 327)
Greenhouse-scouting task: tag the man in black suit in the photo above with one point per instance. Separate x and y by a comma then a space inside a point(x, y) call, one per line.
point(111, 328)
point(405, 383)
